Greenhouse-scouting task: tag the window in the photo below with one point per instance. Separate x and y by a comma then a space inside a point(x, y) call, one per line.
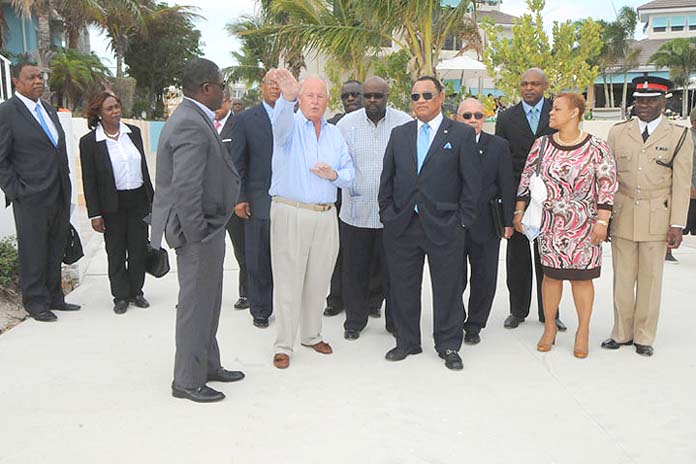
point(692, 23)
point(452, 42)
point(676, 23)
point(659, 24)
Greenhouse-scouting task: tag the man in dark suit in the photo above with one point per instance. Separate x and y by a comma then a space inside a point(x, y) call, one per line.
point(520, 125)
point(427, 199)
point(482, 239)
point(35, 178)
point(251, 148)
point(224, 120)
point(196, 189)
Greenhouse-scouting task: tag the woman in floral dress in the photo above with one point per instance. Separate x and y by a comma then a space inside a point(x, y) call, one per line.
point(580, 177)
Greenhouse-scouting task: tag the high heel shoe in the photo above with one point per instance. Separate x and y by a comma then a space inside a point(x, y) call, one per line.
point(580, 352)
point(544, 347)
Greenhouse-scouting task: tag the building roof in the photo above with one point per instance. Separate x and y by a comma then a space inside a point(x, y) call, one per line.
point(498, 17)
point(647, 48)
point(659, 4)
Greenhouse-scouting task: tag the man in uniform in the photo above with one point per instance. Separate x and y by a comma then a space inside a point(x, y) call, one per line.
point(650, 211)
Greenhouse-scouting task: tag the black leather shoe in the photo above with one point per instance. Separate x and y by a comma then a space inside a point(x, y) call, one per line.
point(242, 303)
point(561, 326)
point(121, 306)
point(45, 316)
point(203, 394)
point(399, 353)
point(511, 322)
point(644, 350)
point(452, 360)
point(611, 344)
point(351, 334)
point(375, 312)
point(332, 310)
point(66, 307)
point(261, 323)
point(471, 338)
point(141, 302)
point(223, 375)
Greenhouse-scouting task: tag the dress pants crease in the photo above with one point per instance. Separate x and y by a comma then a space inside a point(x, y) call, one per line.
point(235, 229)
point(257, 235)
point(483, 261)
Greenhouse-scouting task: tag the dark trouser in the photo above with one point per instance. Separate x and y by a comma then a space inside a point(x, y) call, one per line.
point(199, 267)
point(235, 229)
point(363, 253)
point(125, 239)
point(42, 232)
point(405, 258)
point(258, 263)
point(483, 259)
point(518, 263)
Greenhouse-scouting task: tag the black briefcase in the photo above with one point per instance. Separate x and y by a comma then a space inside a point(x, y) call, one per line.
point(156, 261)
point(496, 206)
point(73, 247)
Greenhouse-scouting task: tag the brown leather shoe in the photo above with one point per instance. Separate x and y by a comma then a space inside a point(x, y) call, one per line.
point(321, 347)
point(281, 361)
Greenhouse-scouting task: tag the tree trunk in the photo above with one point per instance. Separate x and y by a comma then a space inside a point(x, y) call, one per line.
point(44, 34)
point(606, 90)
point(624, 92)
point(611, 92)
point(685, 100)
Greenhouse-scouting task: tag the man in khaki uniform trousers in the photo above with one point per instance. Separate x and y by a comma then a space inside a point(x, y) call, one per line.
point(650, 212)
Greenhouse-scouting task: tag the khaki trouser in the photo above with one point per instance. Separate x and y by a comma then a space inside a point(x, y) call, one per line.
point(638, 269)
point(304, 247)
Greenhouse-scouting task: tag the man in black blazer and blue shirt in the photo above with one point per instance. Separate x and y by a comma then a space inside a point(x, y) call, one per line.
point(482, 240)
point(427, 198)
point(520, 125)
point(251, 147)
point(35, 178)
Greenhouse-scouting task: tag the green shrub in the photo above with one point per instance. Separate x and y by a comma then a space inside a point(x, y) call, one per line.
point(9, 264)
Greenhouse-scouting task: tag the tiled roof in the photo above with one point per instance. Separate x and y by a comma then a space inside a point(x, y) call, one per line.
point(647, 48)
point(657, 4)
point(498, 17)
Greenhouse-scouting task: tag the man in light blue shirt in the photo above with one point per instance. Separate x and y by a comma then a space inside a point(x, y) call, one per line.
point(310, 161)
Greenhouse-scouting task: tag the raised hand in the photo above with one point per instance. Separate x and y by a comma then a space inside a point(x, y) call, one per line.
point(289, 86)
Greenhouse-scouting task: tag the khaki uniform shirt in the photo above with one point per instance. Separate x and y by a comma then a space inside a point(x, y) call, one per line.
point(651, 197)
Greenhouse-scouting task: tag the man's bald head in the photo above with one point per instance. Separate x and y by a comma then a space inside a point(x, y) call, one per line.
point(470, 112)
point(533, 85)
point(375, 97)
point(314, 98)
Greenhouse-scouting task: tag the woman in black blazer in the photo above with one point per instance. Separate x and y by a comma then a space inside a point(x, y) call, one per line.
point(118, 193)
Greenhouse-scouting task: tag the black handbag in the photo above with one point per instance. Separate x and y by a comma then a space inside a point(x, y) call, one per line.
point(496, 207)
point(156, 261)
point(73, 247)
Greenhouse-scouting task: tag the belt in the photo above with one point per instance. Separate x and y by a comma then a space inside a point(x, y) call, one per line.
point(646, 194)
point(320, 207)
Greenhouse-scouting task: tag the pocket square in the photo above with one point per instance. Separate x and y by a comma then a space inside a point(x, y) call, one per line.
point(448, 146)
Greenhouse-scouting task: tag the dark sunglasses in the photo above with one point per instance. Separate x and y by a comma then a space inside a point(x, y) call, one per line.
point(375, 96)
point(426, 96)
point(350, 94)
point(477, 115)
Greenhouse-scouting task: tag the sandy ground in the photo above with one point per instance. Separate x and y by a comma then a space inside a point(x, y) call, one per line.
point(94, 387)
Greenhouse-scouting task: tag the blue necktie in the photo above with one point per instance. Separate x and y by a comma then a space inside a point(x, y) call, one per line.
point(533, 120)
point(423, 144)
point(44, 126)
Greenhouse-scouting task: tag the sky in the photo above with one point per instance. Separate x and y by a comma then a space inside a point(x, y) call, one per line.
point(218, 45)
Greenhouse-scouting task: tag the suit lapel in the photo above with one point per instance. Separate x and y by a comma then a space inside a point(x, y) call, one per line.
point(24, 111)
point(103, 152)
point(222, 150)
point(482, 143)
point(634, 131)
point(544, 117)
point(522, 116)
point(438, 141)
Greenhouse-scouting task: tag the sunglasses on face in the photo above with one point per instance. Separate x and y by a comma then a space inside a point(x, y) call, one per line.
point(477, 115)
point(426, 96)
point(345, 96)
point(375, 96)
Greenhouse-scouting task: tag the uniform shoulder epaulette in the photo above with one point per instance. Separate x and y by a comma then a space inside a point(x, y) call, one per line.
point(623, 122)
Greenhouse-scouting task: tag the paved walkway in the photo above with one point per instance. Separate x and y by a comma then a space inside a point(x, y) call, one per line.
point(94, 388)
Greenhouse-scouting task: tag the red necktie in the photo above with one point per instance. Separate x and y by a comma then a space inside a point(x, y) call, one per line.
point(217, 124)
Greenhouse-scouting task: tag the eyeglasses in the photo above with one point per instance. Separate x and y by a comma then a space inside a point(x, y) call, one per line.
point(477, 115)
point(375, 96)
point(426, 96)
point(350, 94)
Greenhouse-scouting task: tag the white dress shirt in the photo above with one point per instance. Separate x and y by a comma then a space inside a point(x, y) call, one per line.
point(434, 126)
point(652, 125)
point(31, 106)
point(126, 160)
point(223, 121)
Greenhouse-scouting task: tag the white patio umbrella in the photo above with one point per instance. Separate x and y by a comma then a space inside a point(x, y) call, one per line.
point(462, 68)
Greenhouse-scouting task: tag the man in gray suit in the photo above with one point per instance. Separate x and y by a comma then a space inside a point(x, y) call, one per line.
point(35, 178)
point(196, 189)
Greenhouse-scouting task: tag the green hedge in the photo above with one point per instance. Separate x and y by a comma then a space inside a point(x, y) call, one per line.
point(9, 264)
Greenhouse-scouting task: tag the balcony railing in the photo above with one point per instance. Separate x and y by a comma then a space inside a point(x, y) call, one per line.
point(5, 79)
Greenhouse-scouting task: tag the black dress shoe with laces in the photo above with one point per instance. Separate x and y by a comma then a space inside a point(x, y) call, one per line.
point(242, 303)
point(399, 353)
point(452, 360)
point(332, 310)
point(141, 302)
point(45, 316)
point(471, 338)
point(350, 334)
point(120, 306)
point(511, 322)
point(260, 323)
point(203, 394)
point(65, 307)
point(644, 350)
point(611, 344)
point(223, 375)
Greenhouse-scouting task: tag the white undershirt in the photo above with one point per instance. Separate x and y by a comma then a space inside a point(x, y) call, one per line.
point(126, 160)
point(31, 106)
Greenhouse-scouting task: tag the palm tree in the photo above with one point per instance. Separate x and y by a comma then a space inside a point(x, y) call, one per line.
point(42, 10)
point(77, 15)
point(679, 55)
point(73, 74)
